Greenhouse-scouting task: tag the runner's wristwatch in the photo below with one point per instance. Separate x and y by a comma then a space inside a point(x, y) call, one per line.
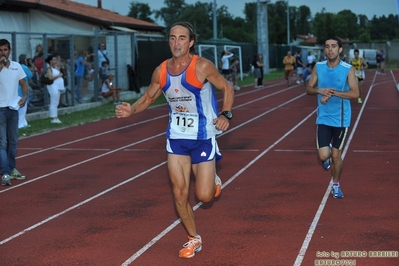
point(227, 114)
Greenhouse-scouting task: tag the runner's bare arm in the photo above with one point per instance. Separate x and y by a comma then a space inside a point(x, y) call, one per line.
point(149, 97)
point(206, 70)
point(353, 92)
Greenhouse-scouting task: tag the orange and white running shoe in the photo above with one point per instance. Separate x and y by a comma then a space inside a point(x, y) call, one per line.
point(189, 249)
point(218, 183)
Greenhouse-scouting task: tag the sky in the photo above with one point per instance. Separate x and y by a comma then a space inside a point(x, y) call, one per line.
point(365, 7)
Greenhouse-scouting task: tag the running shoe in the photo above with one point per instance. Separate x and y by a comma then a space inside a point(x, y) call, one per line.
point(189, 249)
point(6, 180)
point(15, 174)
point(218, 184)
point(336, 191)
point(327, 163)
point(359, 100)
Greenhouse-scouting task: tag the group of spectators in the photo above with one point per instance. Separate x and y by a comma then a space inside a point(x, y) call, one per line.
point(295, 67)
point(56, 69)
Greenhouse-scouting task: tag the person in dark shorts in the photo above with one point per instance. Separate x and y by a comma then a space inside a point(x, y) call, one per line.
point(335, 84)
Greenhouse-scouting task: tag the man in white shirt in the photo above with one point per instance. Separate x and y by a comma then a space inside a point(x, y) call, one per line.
point(11, 74)
point(102, 55)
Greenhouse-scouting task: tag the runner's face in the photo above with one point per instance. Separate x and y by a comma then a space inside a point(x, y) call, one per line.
point(332, 50)
point(179, 41)
point(356, 55)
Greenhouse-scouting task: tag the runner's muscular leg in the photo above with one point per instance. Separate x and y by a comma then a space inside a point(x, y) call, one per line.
point(179, 173)
point(336, 166)
point(205, 180)
point(323, 153)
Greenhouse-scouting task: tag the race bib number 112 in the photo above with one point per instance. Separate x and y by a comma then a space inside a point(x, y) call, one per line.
point(185, 122)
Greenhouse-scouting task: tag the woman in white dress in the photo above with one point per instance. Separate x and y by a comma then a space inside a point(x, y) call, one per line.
point(53, 73)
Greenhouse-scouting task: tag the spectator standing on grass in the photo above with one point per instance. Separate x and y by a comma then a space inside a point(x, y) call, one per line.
point(226, 63)
point(53, 73)
point(38, 52)
point(64, 70)
point(335, 84)
point(382, 62)
point(187, 82)
point(235, 70)
point(11, 74)
point(32, 68)
point(378, 59)
point(260, 64)
point(22, 110)
point(256, 70)
point(289, 63)
point(90, 77)
point(79, 74)
point(300, 66)
point(39, 63)
point(102, 54)
point(310, 58)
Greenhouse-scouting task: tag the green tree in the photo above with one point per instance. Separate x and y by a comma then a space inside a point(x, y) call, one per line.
point(346, 23)
point(277, 14)
point(200, 16)
point(140, 11)
point(303, 20)
point(323, 26)
point(364, 37)
point(363, 21)
point(171, 13)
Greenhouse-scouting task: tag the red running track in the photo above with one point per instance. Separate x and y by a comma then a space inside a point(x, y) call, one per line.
point(99, 194)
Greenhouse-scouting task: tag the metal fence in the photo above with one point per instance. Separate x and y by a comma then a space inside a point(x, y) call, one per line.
point(121, 48)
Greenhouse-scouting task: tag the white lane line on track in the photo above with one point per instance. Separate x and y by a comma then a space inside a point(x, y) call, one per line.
point(374, 151)
point(79, 163)
point(224, 150)
point(231, 179)
point(323, 202)
point(278, 150)
point(79, 204)
point(77, 149)
point(89, 137)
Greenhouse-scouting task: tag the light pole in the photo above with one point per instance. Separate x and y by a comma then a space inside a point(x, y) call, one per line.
point(215, 22)
point(288, 23)
point(263, 32)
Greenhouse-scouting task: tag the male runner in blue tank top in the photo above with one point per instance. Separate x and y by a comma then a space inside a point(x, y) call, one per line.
point(335, 84)
point(187, 82)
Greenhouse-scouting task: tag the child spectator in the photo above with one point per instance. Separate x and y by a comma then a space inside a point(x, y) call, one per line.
point(108, 89)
